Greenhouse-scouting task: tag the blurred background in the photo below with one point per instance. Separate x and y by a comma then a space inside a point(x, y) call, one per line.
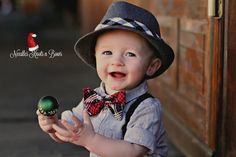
point(197, 92)
point(24, 80)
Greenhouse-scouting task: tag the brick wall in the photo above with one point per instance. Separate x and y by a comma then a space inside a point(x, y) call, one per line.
point(185, 89)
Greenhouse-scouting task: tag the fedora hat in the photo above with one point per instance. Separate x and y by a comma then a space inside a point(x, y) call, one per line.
point(126, 16)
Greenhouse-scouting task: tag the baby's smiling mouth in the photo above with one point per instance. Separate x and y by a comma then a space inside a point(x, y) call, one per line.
point(118, 75)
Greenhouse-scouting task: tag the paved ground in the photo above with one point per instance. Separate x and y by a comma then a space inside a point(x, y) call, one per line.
point(24, 80)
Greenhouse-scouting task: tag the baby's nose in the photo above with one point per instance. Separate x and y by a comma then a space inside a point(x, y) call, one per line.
point(117, 61)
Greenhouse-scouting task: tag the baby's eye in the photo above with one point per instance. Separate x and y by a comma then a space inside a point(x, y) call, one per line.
point(130, 54)
point(107, 53)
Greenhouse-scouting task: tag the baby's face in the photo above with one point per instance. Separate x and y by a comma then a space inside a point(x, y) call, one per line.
point(122, 59)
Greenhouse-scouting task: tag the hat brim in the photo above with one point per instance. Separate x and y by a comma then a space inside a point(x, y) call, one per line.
point(85, 48)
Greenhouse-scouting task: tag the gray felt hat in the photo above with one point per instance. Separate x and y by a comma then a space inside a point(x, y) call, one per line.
point(126, 16)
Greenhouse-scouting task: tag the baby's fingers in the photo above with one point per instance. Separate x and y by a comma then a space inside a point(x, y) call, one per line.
point(76, 121)
point(46, 121)
point(69, 127)
point(61, 131)
point(38, 113)
point(63, 138)
point(63, 134)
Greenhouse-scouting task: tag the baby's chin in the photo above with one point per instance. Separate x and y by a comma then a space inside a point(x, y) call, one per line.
point(114, 89)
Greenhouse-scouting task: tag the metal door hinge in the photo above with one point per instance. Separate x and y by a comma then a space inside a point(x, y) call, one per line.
point(215, 8)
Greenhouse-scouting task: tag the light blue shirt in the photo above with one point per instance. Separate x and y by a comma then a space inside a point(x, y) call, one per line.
point(144, 128)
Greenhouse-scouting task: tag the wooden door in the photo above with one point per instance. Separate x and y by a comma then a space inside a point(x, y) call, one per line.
point(191, 89)
point(227, 139)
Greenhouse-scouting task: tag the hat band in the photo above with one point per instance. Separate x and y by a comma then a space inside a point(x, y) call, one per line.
point(117, 21)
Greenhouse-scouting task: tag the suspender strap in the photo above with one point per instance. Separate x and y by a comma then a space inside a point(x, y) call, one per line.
point(131, 110)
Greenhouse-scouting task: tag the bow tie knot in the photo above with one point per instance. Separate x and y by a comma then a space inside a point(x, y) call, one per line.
point(94, 103)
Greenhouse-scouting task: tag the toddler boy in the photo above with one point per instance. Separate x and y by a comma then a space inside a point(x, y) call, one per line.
point(119, 118)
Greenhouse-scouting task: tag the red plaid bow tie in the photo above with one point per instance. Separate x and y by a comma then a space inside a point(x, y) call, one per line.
point(94, 103)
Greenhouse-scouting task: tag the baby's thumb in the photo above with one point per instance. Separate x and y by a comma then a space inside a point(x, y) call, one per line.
point(86, 118)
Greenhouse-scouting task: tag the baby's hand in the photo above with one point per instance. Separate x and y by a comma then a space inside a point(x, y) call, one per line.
point(46, 122)
point(79, 133)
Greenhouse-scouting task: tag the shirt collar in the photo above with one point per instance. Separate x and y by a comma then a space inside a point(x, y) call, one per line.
point(130, 94)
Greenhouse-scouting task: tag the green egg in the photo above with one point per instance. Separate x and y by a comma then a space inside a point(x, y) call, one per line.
point(48, 105)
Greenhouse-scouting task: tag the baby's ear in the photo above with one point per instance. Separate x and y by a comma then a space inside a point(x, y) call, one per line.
point(153, 66)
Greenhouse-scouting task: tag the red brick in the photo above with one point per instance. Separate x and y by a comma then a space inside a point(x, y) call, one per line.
point(169, 32)
point(174, 8)
point(191, 75)
point(197, 9)
point(195, 26)
point(193, 40)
